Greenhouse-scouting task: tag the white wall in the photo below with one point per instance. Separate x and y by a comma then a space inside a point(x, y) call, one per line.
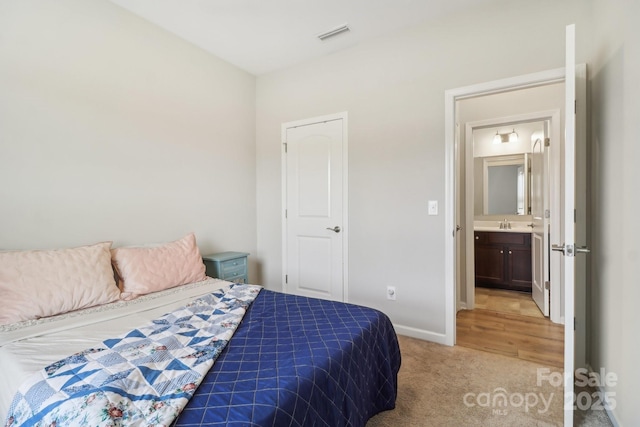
point(615, 196)
point(113, 129)
point(393, 89)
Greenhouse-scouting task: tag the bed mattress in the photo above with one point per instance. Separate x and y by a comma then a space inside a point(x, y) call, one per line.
point(25, 348)
point(293, 361)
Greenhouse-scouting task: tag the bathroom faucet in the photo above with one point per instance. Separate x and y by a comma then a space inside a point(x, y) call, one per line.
point(504, 225)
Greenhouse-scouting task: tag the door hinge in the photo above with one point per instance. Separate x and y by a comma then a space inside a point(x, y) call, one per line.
point(547, 213)
point(286, 213)
point(547, 142)
point(575, 215)
point(574, 323)
point(286, 278)
point(285, 146)
point(575, 106)
point(547, 285)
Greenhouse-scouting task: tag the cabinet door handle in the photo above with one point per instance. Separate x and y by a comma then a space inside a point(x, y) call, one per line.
point(501, 252)
point(509, 252)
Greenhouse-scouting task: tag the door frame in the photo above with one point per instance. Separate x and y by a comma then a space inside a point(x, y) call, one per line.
point(574, 303)
point(451, 96)
point(345, 196)
point(553, 116)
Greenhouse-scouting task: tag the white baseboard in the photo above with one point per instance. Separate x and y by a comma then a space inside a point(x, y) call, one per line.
point(602, 390)
point(420, 334)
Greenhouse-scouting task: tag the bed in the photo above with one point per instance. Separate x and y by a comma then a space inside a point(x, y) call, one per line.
point(297, 361)
point(291, 361)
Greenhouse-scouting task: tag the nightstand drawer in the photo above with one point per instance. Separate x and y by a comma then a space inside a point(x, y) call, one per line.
point(232, 266)
point(231, 271)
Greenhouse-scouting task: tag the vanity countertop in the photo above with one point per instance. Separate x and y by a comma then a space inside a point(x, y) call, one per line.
point(516, 227)
point(513, 229)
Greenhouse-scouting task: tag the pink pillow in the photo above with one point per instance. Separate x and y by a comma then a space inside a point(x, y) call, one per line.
point(143, 270)
point(36, 284)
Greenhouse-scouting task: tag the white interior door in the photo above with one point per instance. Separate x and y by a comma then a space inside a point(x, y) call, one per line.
point(573, 225)
point(314, 219)
point(540, 221)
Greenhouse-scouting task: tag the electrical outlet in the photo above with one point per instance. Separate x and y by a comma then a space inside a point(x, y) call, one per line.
point(391, 293)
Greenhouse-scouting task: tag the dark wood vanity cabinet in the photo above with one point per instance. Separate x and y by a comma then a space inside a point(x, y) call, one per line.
point(503, 260)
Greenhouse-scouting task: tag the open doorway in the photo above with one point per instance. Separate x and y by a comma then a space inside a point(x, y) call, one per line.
point(508, 169)
point(536, 112)
point(507, 195)
point(572, 226)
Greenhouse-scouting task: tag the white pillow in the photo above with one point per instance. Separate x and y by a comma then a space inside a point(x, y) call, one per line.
point(36, 284)
point(147, 269)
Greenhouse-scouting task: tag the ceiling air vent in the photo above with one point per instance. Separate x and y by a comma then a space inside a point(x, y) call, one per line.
point(334, 32)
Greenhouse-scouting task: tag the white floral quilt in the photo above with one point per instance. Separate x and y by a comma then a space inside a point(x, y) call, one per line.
point(143, 378)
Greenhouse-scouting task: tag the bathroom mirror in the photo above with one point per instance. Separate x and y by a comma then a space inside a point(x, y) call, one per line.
point(505, 185)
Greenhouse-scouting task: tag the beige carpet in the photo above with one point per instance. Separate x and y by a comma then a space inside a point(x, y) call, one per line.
point(457, 386)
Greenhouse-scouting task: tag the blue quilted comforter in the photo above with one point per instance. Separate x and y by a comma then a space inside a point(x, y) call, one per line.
point(297, 361)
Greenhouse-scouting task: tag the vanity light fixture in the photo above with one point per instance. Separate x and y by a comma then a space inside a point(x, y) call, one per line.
point(513, 136)
point(505, 137)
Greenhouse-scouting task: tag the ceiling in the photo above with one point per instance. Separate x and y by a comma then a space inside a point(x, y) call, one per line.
point(260, 36)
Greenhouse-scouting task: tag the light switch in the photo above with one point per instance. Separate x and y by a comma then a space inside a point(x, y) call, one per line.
point(433, 207)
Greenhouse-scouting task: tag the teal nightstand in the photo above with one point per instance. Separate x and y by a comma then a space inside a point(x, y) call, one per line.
point(229, 266)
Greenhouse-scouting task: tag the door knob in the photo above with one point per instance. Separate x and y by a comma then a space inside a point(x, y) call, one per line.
point(570, 250)
point(335, 229)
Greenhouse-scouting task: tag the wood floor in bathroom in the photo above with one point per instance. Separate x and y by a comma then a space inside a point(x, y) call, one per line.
point(510, 323)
